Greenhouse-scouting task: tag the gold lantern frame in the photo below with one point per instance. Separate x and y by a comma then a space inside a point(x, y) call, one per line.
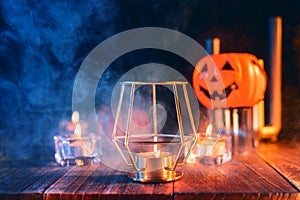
point(184, 141)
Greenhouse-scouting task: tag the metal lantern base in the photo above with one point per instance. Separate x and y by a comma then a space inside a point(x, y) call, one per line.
point(156, 176)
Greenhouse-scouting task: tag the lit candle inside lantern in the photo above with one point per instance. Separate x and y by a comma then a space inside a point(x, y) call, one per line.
point(155, 165)
point(151, 161)
point(154, 153)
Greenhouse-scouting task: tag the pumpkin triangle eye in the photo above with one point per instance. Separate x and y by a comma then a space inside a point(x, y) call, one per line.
point(227, 66)
point(204, 69)
point(253, 62)
point(214, 79)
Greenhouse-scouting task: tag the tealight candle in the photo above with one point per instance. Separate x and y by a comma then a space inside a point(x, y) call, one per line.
point(155, 166)
point(152, 152)
point(213, 148)
point(73, 148)
point(152, 161)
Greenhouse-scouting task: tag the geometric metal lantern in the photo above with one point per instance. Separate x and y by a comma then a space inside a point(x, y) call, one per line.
point(154, 129)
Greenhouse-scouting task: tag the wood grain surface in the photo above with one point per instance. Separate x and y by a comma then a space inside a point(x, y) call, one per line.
point(98, 181)
point(27, 183)
point(271, 172)
point(244, 176)
point(285, 158)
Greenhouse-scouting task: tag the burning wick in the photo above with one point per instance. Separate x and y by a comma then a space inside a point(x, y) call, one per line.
point(157, 154)
point(192, 158)
point(75, 121)
point(211, 145)
point(208, 130)
point(77, 131)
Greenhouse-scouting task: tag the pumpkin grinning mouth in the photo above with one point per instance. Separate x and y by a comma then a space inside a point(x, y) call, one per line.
point(225, 93)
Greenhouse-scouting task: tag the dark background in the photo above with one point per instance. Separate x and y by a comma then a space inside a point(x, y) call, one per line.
point(43, 44)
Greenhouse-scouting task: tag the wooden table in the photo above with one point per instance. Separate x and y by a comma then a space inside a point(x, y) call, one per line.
point(271, 172)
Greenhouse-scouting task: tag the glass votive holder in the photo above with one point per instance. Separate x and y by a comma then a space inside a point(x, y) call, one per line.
point(74, 150)
point(214, 149)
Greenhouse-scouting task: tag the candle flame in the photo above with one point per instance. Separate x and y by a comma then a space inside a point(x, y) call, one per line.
point(75, 122)
point(77, 131)
point(191, 158)
point(209, 130)
point(75, 117)
point(157, 154)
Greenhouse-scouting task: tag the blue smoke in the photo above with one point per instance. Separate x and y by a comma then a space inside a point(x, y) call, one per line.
point(42, 46)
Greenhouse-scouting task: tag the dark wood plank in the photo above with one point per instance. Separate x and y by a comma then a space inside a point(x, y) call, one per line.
point(16, 183)
point(98, 181)
point(100, 178)
point(285, 158)
point(66, 186)
point(245, 176)
point(3, 172)
point(90, 188)
point(123, 187)
point(36, 189)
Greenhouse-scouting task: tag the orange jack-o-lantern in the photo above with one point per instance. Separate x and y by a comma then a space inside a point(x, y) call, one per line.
point(229, 80)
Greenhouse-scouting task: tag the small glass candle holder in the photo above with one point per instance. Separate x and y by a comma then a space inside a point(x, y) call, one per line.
point(74, 150)
point(213, 147)
point(237, 122)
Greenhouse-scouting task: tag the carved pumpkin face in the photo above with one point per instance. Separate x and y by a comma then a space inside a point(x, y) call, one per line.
point(229, 80)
